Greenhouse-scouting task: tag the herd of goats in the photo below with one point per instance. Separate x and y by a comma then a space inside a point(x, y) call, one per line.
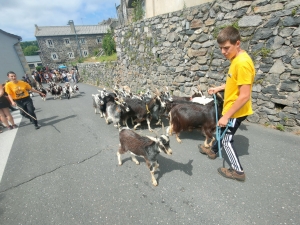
point(183, 113)
point(117, 107)
point(57, 91)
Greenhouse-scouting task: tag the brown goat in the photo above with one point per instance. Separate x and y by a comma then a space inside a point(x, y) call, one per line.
point(147, 147)
point(185, 117)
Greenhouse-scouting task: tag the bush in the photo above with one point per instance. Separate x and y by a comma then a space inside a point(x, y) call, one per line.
point(96, 51)
point(39, 68)
point(108, 44)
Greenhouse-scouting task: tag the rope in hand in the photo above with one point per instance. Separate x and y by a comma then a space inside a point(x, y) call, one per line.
point(220, 136)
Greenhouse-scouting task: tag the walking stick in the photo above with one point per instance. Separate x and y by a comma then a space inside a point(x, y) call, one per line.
point(26, 113)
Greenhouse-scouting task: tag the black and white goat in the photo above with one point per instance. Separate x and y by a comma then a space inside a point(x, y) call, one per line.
point(70, 90)
point(55, 90)
point(43, 90)
point(144, 146)
point(97, 102)
point(115, 110)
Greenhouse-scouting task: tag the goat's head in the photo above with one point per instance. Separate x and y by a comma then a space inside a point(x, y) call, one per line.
point(161, 101)
point(123, 105)
point(166, 95)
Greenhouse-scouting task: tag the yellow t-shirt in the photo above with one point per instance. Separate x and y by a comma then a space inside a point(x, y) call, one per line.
point(241, 71)
point(18, 90)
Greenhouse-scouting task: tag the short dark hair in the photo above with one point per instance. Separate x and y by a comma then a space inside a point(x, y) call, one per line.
point(11, 72)
point(229, 34)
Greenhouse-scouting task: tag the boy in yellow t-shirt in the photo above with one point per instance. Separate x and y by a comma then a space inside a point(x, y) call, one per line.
point(17, 91)
point(237, 99)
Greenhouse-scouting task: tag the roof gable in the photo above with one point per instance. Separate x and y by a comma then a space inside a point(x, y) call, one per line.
point(11, 35)
point(66, 30)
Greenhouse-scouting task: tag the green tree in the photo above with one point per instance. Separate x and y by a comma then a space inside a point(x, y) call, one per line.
point(30, 50)
point(138, 11)
point(108, 43)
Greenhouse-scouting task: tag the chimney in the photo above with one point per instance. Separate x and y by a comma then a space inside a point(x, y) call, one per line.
point(36, 29)
point(71, 23)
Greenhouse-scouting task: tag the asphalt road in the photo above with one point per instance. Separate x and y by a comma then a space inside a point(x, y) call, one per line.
point(67, 173)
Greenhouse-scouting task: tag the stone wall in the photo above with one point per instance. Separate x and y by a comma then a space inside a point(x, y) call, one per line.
point(179, 50)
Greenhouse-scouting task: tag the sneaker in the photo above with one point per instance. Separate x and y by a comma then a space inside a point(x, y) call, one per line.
point(10, 127)
point(207, 151)
point(37, 126)
point(15, 126)
point(232, 174)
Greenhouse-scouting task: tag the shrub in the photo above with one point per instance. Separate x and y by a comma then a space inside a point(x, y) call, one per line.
point(108, 44)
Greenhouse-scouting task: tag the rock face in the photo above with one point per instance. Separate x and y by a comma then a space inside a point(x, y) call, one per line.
point(179, 50)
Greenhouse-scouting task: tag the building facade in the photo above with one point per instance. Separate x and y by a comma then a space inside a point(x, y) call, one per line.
point(153, 8)
point(11, 56)
point(33, 61)
point(63, 44)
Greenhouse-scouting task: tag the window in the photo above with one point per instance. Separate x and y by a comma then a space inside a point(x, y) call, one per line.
point(67, 41)
point(71, 55)
point(82, 40)
point(54, 56)
point(98, 40)
point(49, 43)
point(85, 53)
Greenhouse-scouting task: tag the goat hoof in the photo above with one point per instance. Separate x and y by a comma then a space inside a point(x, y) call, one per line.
point(120, 164)
point(154, 183)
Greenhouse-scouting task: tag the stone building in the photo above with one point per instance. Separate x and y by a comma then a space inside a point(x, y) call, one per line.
point(62, 44)
point(11, 56)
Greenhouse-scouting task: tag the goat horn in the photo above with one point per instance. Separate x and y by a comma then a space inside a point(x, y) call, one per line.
point(117, 102)
point(163, 128)
point(220, 96)
point(157, 92)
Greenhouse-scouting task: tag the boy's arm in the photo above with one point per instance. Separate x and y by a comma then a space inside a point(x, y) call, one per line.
point(214, 90)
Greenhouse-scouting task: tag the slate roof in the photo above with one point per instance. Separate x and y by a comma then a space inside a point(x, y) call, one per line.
point(66, 30)
point(33, 58)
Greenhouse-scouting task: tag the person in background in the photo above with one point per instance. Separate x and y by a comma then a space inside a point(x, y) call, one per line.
point(18, 93)
point(237, 99)
point(38, 79)
point(74, 75)
point(5, 115)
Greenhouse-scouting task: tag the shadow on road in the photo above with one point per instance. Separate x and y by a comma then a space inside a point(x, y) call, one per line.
point(167, 165)
point(1, 198)
point(51, 121)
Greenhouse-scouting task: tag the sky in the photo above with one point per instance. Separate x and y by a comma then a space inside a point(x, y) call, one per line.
point(18, 17)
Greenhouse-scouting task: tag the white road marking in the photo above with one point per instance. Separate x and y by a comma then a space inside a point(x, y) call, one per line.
point(7, 138)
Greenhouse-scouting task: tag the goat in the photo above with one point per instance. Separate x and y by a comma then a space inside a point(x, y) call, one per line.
point(97, 102)
point(110, 97)
point(41, 89)
point(147, 147)
point(192, 116)
point(55, 90)
point(141, 110)
point(114, 111)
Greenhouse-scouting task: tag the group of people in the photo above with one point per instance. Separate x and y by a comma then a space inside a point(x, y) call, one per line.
point(46, 76)
point(237, 99)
